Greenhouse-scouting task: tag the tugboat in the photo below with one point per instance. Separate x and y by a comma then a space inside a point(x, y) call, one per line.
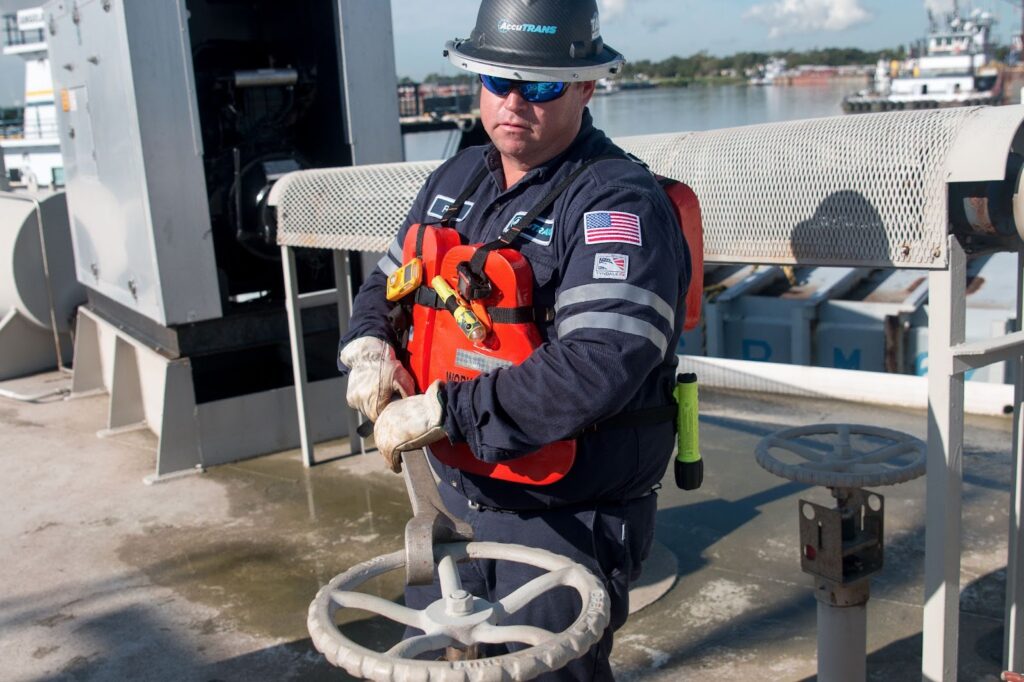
point(767, 74)
point(606, 86)
point(954, 69)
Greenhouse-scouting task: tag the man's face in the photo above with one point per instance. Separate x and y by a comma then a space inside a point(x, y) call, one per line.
point(530, 134)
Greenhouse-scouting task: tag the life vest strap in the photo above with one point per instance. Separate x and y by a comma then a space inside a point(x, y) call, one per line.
point(521, 315)
point(426, 296)
point(450, 216)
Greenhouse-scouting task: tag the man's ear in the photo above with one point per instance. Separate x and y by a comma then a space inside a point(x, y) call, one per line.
point(587, 90)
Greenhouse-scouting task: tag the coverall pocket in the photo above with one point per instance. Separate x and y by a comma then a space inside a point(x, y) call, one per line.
point(622, 539)
point(640, 532)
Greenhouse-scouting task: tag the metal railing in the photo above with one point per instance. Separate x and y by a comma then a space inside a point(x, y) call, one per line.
point(420, 99)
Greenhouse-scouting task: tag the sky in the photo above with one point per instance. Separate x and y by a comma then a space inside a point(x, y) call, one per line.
point(657, 29)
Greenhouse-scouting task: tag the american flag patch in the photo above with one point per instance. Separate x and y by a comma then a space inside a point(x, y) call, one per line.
point(602, 227)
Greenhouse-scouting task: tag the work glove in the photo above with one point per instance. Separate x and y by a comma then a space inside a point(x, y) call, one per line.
point(375, 375)
point(409, 424)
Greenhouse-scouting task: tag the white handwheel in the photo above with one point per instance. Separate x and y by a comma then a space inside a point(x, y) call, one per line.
point(460, 619)
point(891, 456)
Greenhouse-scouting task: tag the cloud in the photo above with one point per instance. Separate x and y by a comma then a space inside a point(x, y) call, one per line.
point(654, 24)
point(613, 8)
point(939, 6)
point(806, 16)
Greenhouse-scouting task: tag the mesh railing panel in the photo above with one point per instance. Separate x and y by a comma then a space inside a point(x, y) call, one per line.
point(853, 190)
point(850, 190)
point(358, 208)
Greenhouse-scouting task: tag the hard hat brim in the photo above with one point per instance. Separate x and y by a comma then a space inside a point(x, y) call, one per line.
point(465, 56)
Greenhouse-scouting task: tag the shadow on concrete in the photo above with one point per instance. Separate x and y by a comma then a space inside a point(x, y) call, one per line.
point(133, 636)
point(121, 644)
point(299, 660)
point(709, 521)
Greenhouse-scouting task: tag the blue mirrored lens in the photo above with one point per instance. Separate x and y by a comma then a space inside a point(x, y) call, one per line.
point(541, 92)
point(531, 91)
point(497, 86)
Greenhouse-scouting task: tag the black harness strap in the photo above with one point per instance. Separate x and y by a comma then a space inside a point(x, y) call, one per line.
point(450, 216)
point(421, 230)
point(428, 297)
point(521, 315)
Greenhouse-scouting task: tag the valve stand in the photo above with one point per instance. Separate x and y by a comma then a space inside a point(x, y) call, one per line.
point(435, 542)
point(842, 546)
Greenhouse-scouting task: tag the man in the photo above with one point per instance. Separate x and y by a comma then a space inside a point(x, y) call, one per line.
point(609, 260)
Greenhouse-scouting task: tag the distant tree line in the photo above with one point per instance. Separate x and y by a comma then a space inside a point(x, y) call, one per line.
point(704, 65)
point(441, 79)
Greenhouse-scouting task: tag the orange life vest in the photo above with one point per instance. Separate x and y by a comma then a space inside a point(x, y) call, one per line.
point(438, 349)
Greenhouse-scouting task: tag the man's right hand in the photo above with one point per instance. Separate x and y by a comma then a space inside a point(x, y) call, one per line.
point(375, 375)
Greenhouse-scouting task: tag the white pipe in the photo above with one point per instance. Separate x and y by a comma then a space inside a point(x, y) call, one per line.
point(842, 643)
point(876, 388)
point(33, 397)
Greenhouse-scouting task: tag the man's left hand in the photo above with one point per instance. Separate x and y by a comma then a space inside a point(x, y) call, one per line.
point(408, 424)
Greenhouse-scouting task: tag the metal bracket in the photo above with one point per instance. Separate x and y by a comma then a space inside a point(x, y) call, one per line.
point(431, 521)
point(843, 545)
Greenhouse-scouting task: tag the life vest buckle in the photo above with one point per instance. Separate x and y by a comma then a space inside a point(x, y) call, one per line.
point(473, 286)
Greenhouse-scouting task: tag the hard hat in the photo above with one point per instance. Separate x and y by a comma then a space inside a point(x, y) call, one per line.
point(536, 40)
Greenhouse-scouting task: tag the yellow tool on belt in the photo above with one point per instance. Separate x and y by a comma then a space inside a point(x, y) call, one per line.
point(689, 466)
point(467, 320)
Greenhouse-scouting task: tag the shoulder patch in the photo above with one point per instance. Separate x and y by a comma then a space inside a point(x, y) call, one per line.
point(606, 227)
point(540, 232)
point(611, 266)
point(441, 203)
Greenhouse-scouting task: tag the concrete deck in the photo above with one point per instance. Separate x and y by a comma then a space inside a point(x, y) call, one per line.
point(208, 577)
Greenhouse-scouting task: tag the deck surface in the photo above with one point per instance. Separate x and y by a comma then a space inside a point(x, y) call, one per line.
point(208, 577)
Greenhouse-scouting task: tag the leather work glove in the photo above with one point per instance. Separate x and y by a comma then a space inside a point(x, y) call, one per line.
point(375, 375)
point(409, 424)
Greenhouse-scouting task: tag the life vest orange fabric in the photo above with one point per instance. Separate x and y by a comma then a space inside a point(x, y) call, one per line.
point(438, 350)
point(684, 201)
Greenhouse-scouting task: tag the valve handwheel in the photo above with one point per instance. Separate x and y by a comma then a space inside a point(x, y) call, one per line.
point(825, 455)
point(460, 619)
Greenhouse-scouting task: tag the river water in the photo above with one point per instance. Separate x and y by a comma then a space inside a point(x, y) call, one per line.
point(667, 110)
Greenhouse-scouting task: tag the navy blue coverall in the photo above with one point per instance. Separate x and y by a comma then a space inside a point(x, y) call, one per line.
point(610, 259)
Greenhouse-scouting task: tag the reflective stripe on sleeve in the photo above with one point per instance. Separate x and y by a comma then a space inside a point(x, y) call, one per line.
point(614, 322)
point(588, 293)
point(387, 265)
point(392, 260)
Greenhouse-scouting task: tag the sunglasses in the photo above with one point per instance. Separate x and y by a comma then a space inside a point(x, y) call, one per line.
point(531, 91)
